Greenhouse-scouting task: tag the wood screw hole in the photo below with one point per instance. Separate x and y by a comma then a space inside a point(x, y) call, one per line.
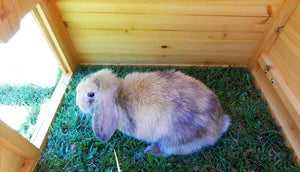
point(272, 80)
point(164, 46)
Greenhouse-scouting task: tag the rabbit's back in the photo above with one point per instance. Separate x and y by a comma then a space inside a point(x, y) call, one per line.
point(168, 105)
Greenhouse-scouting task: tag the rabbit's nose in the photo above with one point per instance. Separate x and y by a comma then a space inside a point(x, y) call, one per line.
point(91, 94)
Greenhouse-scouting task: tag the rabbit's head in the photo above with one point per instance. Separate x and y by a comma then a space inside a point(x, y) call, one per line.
point(96, 95)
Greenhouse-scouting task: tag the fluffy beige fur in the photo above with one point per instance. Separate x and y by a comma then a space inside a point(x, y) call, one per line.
point(176, 113)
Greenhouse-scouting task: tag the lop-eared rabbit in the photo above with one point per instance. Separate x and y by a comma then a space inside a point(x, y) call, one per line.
point(175, 113)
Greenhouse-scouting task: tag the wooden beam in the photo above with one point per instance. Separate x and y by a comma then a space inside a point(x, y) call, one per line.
point(282, 16)
point(12, 141)
point(48, 113)
point(187, 7)
point(288, 98)
point(54, 29)
point(278, 110)
point(163, 59)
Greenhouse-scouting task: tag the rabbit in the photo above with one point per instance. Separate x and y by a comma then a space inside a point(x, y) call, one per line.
point(174, 113)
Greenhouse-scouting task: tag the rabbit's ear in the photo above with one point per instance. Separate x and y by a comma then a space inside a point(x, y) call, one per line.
point(105, 118)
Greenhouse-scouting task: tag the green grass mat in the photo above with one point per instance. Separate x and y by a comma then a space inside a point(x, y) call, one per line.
point(253, 142)
point(29, 96)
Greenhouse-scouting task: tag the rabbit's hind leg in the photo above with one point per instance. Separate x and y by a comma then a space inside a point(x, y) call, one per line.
point(190, 147)
point(155, 149)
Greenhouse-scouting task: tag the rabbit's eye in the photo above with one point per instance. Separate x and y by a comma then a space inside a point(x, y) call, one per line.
point(91, 94)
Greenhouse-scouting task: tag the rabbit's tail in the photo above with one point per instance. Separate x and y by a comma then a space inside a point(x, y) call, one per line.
point(226, 122)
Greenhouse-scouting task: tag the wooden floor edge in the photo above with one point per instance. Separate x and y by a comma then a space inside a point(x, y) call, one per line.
point(163, 65)
point(278, 111)
point(48, 113)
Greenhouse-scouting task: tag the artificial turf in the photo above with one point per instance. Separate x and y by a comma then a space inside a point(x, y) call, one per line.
point(253, 142)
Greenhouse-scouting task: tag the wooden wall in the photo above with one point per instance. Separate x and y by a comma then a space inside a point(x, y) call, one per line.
point(278, 75)
point(166, 31)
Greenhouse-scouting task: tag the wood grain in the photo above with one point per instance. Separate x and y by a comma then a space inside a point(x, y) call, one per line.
point(199, 2)
point(283, 90)
point(166, 7)
point(12, 141)
point(154, 22)
point(49, 19)
point(285, 56)
point(278, 110)
point(293, 26)
point(48, 113)
point(280, 19)
point(9, 161)
point(235, 48)
point(129, 35)
point(152, 59)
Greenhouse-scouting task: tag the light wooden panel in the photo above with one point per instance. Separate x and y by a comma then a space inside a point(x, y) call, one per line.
point(140, 35)
point(13, 144)
point(10, 161)
point(278, 110)
point(292, 28)
point(246, 28)
point(280, 19)
point(11, 12)
point(154, 22)
point(233, 48)
point(48, 113)
point(285, 56)
point(49, 19)
point(138, 46)
point(187, 7)
point(177, 60)
point(191, 29)
point(198, 2)
point(282, 88)
point(282, 65)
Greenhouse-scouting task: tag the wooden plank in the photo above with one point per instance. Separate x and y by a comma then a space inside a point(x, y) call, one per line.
point(49, 18)
point(164, 22)
point(17, 144)
point(207, 27)
point(13, 141)
point(280, 19)
point(5, 31)
point(292, 28)
point(10, 161)
point(288, 98)
point(235, 48)
point(11, 13)
point(10, 17)
point(26, 6)
point(93, 35)
point(48, 113)
point(136, 20)
point(134, 59)
point(200, 2)
point(278, 110)
point(285, 56)
point(165, 7)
